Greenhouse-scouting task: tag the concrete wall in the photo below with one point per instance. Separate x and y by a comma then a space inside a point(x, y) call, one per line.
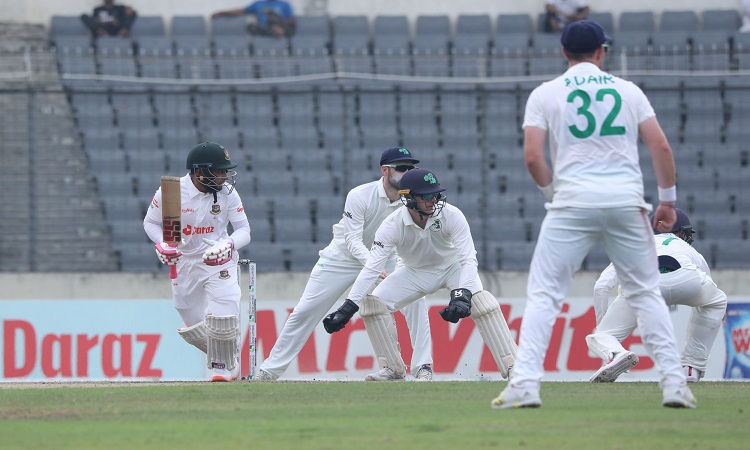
point(40, 11)
point(277, 286)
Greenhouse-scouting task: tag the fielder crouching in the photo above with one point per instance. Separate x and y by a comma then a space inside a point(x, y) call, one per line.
point(437, 251)
point(206, 293)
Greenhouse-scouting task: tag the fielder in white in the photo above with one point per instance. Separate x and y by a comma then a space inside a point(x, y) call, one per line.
point(206, 293)
point(437, 251)
point(341, 261)
point(684, 279)
point(593, 120)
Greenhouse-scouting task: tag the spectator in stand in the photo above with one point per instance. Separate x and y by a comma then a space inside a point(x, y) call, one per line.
point(562, 12)
point(273, 17)
point(110, 20)
point(745, 28)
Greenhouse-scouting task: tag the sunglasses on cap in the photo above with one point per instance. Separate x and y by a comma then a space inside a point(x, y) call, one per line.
point(400, 167)
point(428, 197)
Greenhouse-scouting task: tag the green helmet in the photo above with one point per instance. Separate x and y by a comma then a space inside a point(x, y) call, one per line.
point(211, 156)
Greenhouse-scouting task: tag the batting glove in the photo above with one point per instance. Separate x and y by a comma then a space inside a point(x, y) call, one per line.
point(167, 254)
point(219, 253)
point(459, 306)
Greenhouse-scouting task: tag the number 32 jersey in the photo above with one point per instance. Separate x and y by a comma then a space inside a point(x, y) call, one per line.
point(591, 119)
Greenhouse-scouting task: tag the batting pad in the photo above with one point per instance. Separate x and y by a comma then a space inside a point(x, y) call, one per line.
point(223, 333)
point(381, 328)
point(486, 314)
point(195, 336)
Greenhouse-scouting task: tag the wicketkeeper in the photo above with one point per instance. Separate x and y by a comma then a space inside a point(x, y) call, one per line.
point(434, 241)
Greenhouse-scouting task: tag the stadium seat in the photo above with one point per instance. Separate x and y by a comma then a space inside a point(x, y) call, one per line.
point(686, 21)
point(513, 23)
point(71, 26)
point(637, 21)
point(189, 26)
point(721, 20)
point(152, 26)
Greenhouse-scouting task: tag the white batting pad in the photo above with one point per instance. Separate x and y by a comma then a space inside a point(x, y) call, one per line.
point(604, 345)
point(486, 314)
point(196, 336)
point(223, 334)
point(381, 328)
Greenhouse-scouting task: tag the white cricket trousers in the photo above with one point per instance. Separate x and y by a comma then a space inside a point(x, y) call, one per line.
point(328, 281)
point(566, 237)
point(686, 286)
point(199, 289)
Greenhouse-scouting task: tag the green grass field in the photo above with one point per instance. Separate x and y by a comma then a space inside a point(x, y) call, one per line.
point(436, 415)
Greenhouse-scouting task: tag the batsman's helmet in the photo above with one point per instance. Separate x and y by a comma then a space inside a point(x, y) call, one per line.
point(682, 225)
point(421, 184)
point(210, 156)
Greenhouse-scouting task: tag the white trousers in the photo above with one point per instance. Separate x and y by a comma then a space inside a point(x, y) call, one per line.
point(566, 237)
point(200, 289)
point(686, 286)
point(328, 281)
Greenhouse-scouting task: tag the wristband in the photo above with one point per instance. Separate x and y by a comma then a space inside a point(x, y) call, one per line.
point(668, 194)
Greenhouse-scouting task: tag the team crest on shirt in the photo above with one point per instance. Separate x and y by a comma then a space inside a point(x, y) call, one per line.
point(216, 209)
point(436, 226)
point(224, 274)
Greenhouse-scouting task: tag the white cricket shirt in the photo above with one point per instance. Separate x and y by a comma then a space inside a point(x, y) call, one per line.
point(591, 118)
point(445, 240)
point(366, 207)
point(201, 218)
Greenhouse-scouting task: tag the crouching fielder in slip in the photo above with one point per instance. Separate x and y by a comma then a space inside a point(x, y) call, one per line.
point(434, 242)
point(206, 293)
point(684, 279)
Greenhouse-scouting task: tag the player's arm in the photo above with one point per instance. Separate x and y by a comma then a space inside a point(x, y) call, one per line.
point(535, 136)
point(152, 221)
point(382, 248)
point(238, 218)
point(355, 209)
point(464, 244)
point(663, 161)
point(533, 154)
point(602, 289)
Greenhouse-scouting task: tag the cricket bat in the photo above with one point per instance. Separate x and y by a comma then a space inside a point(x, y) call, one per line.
point(171, 215)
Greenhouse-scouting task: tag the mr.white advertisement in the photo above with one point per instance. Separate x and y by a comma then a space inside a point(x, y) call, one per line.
point(80, 340)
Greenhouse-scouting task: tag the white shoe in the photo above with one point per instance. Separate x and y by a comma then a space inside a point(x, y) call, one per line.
point(678, 397)
point(385, 374)
point(621, 363)
point(517, 398)
point(220, 373)
point(424, 373)
point(692, 374)
point(262, 375)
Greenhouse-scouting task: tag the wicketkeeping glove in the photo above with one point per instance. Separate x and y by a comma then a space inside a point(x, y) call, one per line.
point(167, 254)
point(338, 319)
point(219, 253)
point(459, 306)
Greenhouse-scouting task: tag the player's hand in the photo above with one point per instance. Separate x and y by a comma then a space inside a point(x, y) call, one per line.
point(218, 253)
point(459, 306)
point(338, 319)
point(664, 218)
point(167, 254)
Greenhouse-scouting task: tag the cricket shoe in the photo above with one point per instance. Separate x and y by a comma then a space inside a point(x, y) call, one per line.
point(517, 398)
point(621, 363)
point(220, 373)
point(676, 396)
point(424, 373)
point(262, 375)
point(386, 374)
point(692, 374)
